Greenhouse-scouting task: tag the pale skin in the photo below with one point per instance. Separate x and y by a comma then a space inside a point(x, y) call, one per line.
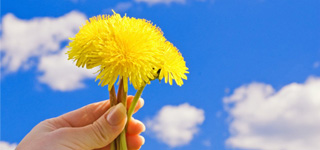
point(92, 127)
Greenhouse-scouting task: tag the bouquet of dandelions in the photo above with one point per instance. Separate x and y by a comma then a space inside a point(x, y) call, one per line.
point(133, 50)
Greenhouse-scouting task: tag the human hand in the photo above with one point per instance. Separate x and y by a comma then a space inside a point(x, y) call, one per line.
point(93, 126)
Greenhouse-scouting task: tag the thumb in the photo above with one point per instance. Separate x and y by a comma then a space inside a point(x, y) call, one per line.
point(102, 132)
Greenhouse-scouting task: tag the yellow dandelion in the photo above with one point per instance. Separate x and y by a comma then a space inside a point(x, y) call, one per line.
point(173, 65)
point(84, 46)
point(123, 47)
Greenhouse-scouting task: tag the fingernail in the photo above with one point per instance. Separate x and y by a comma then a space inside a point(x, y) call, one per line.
point(143, 139)
point(143, 126)
point(141, 101)
point(116, 114)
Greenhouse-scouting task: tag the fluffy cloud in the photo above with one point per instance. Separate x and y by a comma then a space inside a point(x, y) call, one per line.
point(22, 40)
point(61, 74)
point(122, 6)
point(176, 125)
point(153, 2)
point(265, 119)
point(119, 7)
point(41, 39)
point(7, 146)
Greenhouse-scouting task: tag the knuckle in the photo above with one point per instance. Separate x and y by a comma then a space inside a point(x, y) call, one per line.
point(99, 133)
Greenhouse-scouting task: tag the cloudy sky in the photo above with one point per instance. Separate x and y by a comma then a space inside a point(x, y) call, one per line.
point(254, 81)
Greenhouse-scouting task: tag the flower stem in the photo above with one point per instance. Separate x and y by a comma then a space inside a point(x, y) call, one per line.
point(134, 103)
point(122, 95)
point(112, 95)
point(113, 145)
point(113, 101)
point(122, 98)
point(123, 140)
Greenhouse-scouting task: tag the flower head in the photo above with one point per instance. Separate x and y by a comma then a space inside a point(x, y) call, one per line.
point(173, 65)
point(128, 48)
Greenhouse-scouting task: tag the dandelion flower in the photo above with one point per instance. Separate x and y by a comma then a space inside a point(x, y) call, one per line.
point(123, 47)
point(84, 47)
point(173, 65)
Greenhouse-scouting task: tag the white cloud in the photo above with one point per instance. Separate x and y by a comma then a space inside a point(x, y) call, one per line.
point(122, 6)
point(153, 2)
point(7, 146)
point(41, 39)
point(22, 40)
point(61, 74)
point(176, 125)
point(207, 143)
point(265, 119)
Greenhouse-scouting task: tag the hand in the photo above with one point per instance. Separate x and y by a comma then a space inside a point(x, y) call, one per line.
point(94, 126)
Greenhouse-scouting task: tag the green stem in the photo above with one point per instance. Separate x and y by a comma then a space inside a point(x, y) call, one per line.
point(123, 141)
point(122, 98)
point(113, 101)
point(113, 145)
point(134, 103)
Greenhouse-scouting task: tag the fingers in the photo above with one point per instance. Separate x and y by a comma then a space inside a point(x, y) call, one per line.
point(86, 115)
point(135, 127)
point(140, 103)
point(135, 141)
point(99, 134)
point(90, 113)
point(92, 125)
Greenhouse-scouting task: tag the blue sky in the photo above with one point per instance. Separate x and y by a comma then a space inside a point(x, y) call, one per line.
point(241, 54)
